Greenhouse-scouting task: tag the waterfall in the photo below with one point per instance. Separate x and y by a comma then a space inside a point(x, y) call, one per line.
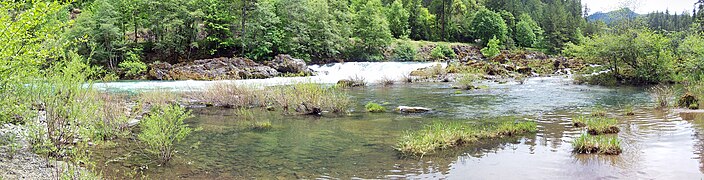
point(371, 72)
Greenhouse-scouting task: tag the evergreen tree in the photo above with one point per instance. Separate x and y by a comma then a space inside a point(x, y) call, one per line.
point(488, 24)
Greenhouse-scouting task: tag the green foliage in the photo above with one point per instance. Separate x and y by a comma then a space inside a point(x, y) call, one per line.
point(163, 128)
point(437, 53)
point(489, 25)
point(371, 30)
point(398, 19)
point(525, 36)
point(587, 144)
point(11, 142)
point(492, 48)
point(405, 51)
point(374, 108)
point(29, 37)
point(132, 66)
point(692, 52)
point(444, 135)
point(640, 57)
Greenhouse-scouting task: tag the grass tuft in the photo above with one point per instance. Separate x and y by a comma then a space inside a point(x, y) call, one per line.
point(601, 125)
point(374, 108)
point(588, 144)
point(443, 135)
point(386, 81)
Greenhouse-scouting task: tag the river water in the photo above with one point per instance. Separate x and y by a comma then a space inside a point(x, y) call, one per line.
point(656, 144)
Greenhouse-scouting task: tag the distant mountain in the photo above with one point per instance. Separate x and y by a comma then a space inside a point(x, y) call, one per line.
point(613, 15)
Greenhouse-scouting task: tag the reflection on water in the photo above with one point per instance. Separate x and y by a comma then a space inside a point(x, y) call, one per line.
point(656, 144)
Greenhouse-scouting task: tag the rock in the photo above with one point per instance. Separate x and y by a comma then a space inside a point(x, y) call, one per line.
point(688, 101)
point(349, 83)
point(212, 69)
point(408, 109)
point(284, 63)
point(160, 70)
point(308, 109)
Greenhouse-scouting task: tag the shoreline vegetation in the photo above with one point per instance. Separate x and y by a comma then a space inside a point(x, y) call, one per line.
point(52, 49)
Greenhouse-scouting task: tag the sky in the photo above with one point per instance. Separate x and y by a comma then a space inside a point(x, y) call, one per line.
point(641, 6)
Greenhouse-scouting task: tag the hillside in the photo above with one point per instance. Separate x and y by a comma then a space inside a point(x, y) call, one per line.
point(611, 16)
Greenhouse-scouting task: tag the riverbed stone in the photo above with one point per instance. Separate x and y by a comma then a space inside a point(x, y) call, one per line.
point(409, 109)
point(284, 63)
point(212, 69)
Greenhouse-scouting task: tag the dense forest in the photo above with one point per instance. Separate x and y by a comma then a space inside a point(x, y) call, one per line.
point(112, 32)
point(54, 50)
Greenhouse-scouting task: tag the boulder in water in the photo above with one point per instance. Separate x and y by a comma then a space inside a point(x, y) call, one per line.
point(309, 109)
point(212, 69)
point(284, 63)
point(408, 109)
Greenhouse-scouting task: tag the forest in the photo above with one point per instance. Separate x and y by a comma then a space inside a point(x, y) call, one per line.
point(480, 58)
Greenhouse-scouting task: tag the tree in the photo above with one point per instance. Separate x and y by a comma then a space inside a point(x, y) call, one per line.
point(99, 25)
point(524, 34)
point(371, 28)
point(488, 24)
point(262, 31)
point(398, 19)
point(163, 129)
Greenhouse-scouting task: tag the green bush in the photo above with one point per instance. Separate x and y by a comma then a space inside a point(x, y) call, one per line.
point(374, 107)
point(405, 52)
point(492, 48)
point(163, 128)
point(437, 54)
point(133, 68)
point(441, 52)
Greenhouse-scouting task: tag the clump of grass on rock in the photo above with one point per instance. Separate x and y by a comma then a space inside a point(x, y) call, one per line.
point(374, 108)
point(602, 125)
point(587, 144)
point(443, 135)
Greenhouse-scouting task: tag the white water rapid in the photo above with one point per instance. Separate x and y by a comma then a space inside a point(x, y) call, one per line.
point(329, 73)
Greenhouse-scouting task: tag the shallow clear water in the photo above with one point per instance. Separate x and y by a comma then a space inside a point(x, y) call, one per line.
point(656, 144)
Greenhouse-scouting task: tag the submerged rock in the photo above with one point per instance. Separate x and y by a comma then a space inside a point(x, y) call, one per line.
point(408, 109)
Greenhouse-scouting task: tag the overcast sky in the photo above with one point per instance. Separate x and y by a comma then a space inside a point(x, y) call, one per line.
point(641, 6)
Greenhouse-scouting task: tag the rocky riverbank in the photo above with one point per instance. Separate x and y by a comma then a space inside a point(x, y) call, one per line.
point(228, 68)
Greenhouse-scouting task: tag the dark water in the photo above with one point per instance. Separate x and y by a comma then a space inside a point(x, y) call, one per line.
point(656, 144)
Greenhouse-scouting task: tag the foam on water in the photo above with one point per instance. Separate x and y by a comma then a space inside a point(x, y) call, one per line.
point(329, 73)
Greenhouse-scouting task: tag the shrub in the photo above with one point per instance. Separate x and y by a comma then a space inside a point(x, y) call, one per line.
point(662, 95)
point(132, 68)
point(587, 144)
point(492, 48)
point(441, 52)
point(163, 128)
point(437, 53)
point(11, 141)
point(374, 108)
point(405, 51)
point(466, 82)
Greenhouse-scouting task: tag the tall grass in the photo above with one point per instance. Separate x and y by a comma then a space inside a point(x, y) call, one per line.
point(443, 135)
point(596, 125)
point(602, 125)
point(662, 94)
point(232, 95)
point(588, 144)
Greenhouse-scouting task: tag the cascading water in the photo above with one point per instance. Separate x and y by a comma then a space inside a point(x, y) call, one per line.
point(329, 73)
